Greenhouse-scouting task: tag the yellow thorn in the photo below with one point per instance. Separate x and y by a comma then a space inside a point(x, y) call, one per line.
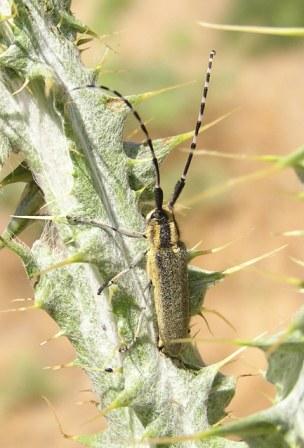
point(23, 86)
point(224, 246)
point(284, 279)
point(299, 233)
point(237, 156)
point(28, 299)
point(230, 183)
point(297, 261)
point(101, 38)
point(81, 403)
point(77, 258)
point(137, 99)
point(231, 358)
point(252, 261)
point(103, 412)
point(196, 246)
point(166, 440)
point(21, 309)
point(137, 130)
point(218, 120)
point(233, 355)
point(51, 407)
point(102, 61)
point(39, 217)
point(178, 139)
point(181, 341)
point(279, 31)
point(55, 336)
point(281, 339)
point(59, 366)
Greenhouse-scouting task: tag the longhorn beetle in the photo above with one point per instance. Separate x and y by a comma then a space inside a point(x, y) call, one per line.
point(167, 255)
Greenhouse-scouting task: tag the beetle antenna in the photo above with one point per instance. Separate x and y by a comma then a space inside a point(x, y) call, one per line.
point(181, 182)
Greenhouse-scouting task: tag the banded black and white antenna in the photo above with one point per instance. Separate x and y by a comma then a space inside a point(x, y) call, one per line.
point(181, 182)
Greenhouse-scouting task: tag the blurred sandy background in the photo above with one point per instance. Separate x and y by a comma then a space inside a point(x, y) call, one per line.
point(159, 44)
